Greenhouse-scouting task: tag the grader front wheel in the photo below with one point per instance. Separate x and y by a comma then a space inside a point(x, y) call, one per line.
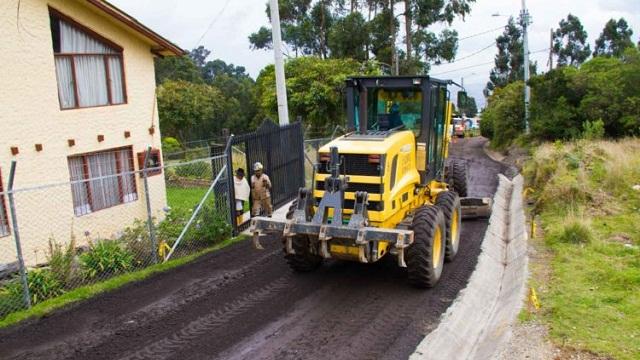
point(304, 260)
point(425, 257)
point(449, 202)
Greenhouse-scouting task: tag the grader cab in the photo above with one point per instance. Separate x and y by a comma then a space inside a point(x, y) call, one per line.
point(385, 188)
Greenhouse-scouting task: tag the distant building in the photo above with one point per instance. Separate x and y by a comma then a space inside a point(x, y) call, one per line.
point(78, 102)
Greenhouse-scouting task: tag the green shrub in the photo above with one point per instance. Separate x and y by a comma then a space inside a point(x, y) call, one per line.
point(171, 227)
point(171, 145)
point(593, 130)
point(106, 257)
point(211, 227)
point(138, 243)
point(62, 261)
point(42, 283)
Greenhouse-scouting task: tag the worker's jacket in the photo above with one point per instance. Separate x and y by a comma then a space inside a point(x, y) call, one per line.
point(260, 187)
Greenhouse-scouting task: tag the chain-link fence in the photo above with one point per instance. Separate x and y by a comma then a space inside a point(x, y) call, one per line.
point(109, 218)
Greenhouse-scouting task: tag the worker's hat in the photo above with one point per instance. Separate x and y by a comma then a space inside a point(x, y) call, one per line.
point(257, 166)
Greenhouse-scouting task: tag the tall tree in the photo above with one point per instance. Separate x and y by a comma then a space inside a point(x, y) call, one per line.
point(422, 46)
point(199, 55)
point(177, 68)
point(570, 42)
point(509, 62)
point(349, 37)
point(614, 39)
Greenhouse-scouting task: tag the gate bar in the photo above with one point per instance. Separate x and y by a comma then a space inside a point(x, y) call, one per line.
point(195, 213)
point(16, 237)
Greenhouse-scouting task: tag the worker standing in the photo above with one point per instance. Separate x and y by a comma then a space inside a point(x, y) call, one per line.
point(260, 191)
point(241, 190)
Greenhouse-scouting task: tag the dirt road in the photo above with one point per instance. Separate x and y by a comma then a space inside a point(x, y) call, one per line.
point(240, 303)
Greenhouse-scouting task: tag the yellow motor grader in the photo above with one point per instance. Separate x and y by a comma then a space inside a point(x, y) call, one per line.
point(384, 188)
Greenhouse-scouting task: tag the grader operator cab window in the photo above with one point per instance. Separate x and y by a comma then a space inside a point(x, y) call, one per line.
point(394, 108)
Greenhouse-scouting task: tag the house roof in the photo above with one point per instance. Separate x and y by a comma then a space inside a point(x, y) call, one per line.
point(162, 46)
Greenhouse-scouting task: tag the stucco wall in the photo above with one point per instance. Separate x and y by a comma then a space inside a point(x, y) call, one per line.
point(30, 114)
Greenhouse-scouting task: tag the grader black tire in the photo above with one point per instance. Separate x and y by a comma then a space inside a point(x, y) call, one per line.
point(425, 257)
point(303, 260)
point(449, 203)
point(459, 177)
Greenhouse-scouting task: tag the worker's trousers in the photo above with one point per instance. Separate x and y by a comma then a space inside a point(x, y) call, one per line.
point(262, 204)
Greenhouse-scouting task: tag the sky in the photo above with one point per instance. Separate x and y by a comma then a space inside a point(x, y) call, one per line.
point(223, 26)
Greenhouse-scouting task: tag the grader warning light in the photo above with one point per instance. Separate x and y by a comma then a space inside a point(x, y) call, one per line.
point(386, 188)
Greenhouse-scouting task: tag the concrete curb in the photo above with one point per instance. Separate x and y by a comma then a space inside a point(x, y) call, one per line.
point(480, 319)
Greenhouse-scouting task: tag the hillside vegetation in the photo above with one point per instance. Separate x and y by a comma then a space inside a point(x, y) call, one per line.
point(601, 97)
point(588, 201)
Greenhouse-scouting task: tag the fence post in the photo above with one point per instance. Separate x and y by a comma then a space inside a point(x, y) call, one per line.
point(16, 237)
point(228, 152)
point(152, 230)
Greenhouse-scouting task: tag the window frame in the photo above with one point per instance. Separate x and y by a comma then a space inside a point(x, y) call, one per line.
point(53, 13)
point(86, 180)
point(4, 210)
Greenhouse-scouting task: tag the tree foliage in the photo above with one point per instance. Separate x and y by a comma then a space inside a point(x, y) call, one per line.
point(314, 90)
point(567, 101)
point(509, 62)
point(570, 42)
point(187, 108)
point(469, 108)
point(368, 29)
point(614, 39)
point(198, 97)
point(503, 118)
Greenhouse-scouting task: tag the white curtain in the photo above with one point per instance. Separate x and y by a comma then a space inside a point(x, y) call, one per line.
point(104, 184)
point(74, 40)
point(64, 73)
point(92, 80)
point(79, 187)
point(90, 70)
point(128, 179)
point(115, 74)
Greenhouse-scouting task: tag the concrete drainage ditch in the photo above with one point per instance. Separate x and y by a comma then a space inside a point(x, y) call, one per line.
point(480, 319)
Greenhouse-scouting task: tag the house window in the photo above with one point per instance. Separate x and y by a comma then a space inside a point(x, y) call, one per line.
point(4, 218)
point(102, 179)
point(88, 66)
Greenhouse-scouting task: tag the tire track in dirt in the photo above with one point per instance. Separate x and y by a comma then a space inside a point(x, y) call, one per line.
point(166, 347)
point(153, 312)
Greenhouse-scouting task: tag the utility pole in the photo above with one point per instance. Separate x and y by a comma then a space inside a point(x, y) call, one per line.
point(281, 87)
point(551, 51)
point(524, 17)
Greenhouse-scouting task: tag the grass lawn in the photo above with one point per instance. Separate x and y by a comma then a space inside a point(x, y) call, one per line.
point(589, 212)
point(184, 198)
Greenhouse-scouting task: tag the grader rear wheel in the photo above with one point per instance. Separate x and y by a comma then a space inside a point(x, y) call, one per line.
point(449, 202)
point(425, 257)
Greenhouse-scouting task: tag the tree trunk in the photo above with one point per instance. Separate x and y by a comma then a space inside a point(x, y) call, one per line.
point(322, 32)
point(408, 29)
point(392, 29)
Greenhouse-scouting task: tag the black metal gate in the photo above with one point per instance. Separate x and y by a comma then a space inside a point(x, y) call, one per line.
point(280, 149)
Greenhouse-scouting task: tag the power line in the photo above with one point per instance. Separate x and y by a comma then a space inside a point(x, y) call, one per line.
point(463, 68)
point(213, 21)
point(480, 33)
point(469, 56)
